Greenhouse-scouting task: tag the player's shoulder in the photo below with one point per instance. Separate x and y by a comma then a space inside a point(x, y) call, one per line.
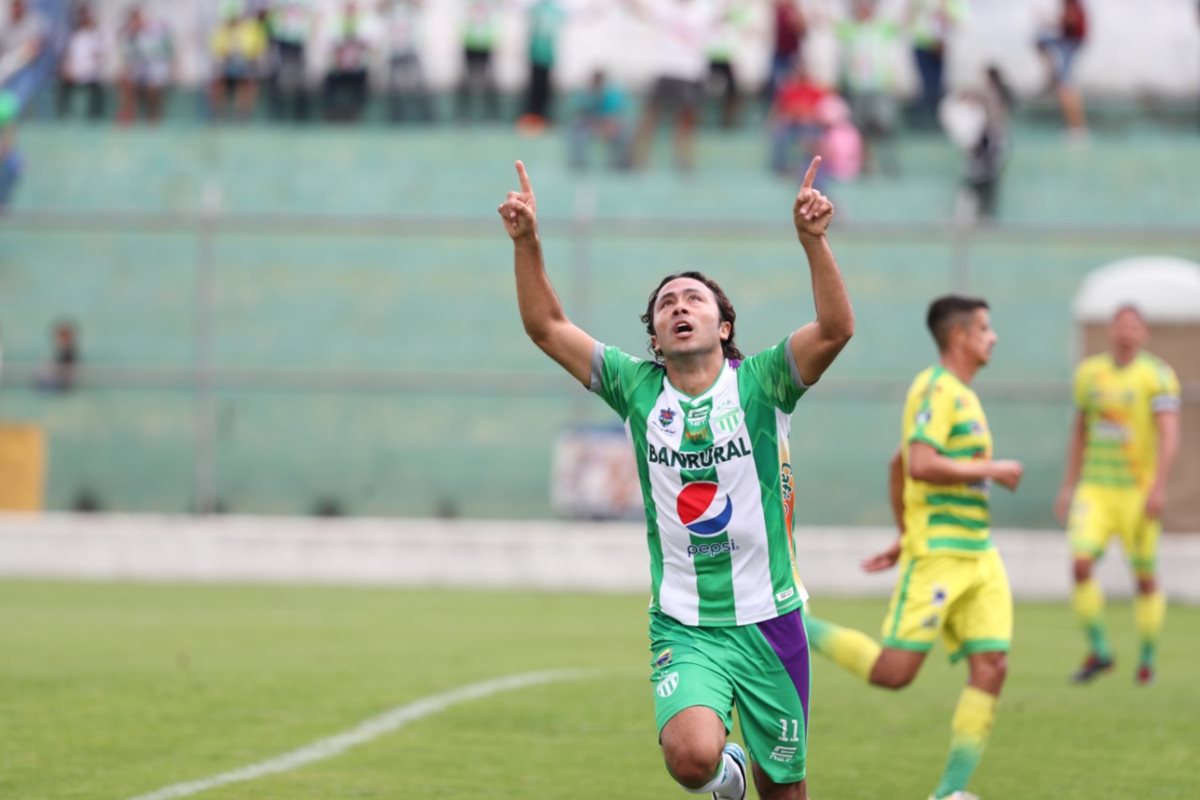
point(937, 381)
point(1094, 363)
point(1091, 367)
point(631, 367)
point(1154, 364)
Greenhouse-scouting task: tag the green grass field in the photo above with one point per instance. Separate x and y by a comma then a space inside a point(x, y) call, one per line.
point(110, 691)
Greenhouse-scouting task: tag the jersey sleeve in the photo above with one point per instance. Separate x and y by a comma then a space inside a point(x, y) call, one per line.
point(775, 370)
point(934, 417)
point(615, 375)
point(1080, 391)
point(1164, 390)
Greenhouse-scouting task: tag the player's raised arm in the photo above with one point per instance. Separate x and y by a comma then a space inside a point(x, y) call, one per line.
point(541, 312)
point(817, 344)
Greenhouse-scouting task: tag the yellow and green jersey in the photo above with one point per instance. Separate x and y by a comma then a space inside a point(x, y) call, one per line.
point(1119, 405)
point(943, 412)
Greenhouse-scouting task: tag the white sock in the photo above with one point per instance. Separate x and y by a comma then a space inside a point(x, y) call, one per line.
point(729, 782)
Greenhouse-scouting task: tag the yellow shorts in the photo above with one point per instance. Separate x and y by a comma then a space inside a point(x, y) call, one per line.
point(965, 599)
point(1100, 512)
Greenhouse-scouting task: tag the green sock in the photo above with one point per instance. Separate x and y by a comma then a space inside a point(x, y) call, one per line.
point(970, 729)
point(1149, 611)
point(1088, 601)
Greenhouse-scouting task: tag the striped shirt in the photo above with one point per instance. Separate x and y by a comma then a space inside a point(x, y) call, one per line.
point(1119, 405)
point(944, 413)
point(716, 482)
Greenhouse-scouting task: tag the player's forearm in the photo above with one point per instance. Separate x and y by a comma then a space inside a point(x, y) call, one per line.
point(896, 490)
point(835, 315)
point(1168, 445)
point(946, 471)
point(1075, 453)
point(536, 299)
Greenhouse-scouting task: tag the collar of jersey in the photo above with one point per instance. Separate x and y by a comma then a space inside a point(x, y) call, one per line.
point(689, 398)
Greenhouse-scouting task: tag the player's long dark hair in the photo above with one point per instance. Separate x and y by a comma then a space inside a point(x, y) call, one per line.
point(728, 348)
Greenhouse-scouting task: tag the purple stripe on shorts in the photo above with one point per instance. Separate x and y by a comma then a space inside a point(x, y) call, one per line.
point(789, 641)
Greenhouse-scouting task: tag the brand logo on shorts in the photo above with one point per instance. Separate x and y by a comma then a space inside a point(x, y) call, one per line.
point(663, 658)
point(704, 509)
point(667, 686)
point(784, 754)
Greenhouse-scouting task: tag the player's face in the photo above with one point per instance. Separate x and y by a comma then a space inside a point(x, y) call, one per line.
point(1127, 334)
point(980, 336)
point(686, 319)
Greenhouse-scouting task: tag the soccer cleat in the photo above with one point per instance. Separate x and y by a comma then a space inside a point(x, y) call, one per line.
point(1145, 675)
point(1092, 666)
point(959, 795)
point(739, 757)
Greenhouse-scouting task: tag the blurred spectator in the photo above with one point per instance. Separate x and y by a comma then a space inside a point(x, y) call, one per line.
point(479, 39)
point(61, 374)
point(1063, 34)
point(840, 146)
point(344, 98)
point(10, 161)
point(684, 27)
point(789, 30)
point(868, 44)
point(82, 66)
point(930, 23)
point(290, 26)
point(239, 50)
point(793, 121)
point(546, 19)
point(147, 68)
point(600, 113)
point(407, 93)
point(722, 76)
point(22, 40)
point(977, 121)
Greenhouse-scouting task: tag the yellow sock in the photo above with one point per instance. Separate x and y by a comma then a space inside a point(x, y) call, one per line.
point(1088, 601)
point(846, 647)
point(969, 732)
point(1148, 613)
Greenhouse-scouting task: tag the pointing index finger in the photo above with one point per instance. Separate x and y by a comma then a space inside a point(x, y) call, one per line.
point(524, 176)
point(810, 175)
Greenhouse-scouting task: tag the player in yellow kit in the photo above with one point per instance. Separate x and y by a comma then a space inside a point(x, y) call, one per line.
point(952, 583)
point(1123, 443)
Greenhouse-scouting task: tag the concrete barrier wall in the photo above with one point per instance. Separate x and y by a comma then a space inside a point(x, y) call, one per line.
point(558, 556)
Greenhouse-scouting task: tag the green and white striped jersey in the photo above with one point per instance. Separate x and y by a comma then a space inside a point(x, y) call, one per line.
point(716, 482)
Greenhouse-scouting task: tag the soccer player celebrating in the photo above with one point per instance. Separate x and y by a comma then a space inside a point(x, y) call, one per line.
point(710, 434)
point(1123, 443)
point(952, 580)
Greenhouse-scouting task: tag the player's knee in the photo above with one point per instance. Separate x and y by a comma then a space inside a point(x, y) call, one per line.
point(892, 678)
point(692, 765)
point(1082, 570)
point(989, 672)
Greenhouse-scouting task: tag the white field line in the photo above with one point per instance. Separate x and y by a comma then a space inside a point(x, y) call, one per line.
point(366, 731)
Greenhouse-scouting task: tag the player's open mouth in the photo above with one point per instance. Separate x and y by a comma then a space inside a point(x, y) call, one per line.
point(682, 327)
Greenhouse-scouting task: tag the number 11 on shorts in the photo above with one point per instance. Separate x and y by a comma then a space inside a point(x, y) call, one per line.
point(792, 725)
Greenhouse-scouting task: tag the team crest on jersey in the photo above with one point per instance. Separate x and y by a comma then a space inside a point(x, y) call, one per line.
point(923, 416)
point(704, 509)
point(728, 420)
point(666, 416)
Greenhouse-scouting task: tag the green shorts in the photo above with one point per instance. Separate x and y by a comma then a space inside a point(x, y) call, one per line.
point(762, 669)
